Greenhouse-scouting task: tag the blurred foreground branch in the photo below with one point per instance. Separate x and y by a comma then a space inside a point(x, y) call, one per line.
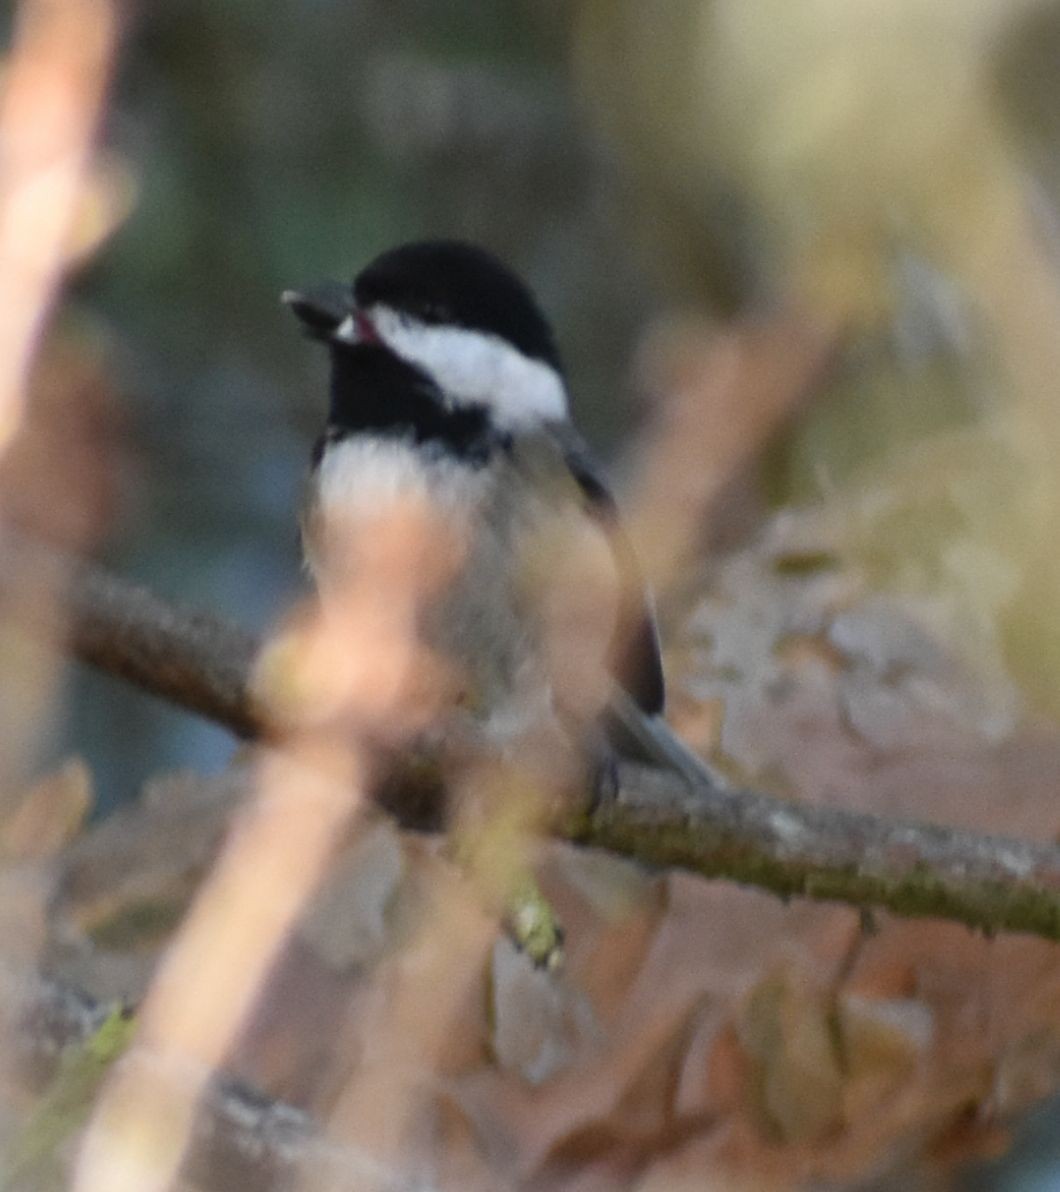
point(912, 869)
point(53, 88)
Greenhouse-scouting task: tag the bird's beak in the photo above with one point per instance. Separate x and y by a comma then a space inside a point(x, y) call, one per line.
point(322, 311)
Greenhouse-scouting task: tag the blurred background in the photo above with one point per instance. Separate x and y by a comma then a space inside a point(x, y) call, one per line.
point(828, 228)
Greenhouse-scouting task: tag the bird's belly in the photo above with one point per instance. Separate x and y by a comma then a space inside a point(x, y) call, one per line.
point(483, 629)
point(531, 613)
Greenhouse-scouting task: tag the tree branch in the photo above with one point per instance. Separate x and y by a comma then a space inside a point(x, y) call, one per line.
point(189, 658)
point(914, 869)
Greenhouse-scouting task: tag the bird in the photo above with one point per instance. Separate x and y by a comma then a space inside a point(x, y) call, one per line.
point(447, 385)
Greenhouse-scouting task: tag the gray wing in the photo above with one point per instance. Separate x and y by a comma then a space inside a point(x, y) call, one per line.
point(637, 663)
point(634, 715)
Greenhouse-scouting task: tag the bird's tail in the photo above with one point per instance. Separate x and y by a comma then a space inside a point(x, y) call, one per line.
point(646, 738)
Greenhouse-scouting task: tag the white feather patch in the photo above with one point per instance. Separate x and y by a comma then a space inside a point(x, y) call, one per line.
point(473, 368)
point(365, 475)
point(362, 480)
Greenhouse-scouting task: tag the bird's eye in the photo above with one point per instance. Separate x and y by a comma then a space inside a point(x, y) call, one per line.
point(432, 312)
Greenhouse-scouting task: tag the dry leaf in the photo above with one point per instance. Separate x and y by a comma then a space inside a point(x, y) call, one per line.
point(49, 815)
point(541, 1024)
point(787, 1030)
point(348, 922)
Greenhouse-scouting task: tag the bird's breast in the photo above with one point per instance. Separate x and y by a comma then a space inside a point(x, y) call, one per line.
point(367, 476)
point(530, 600)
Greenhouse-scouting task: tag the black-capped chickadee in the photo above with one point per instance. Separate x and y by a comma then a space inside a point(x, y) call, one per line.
point(447, 387)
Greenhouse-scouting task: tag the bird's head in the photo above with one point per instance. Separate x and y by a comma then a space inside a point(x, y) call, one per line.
point(460, 317)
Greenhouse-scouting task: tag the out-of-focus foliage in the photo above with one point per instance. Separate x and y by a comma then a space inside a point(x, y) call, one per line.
point(843, 135)
point(890, 166)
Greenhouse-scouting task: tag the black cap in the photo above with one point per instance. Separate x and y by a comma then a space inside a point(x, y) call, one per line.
point(452, 282)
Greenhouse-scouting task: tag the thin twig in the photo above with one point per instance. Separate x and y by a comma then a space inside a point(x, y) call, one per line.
point(992, 883)
point(914, 869)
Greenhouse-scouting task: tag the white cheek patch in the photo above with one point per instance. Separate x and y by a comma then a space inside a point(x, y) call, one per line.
point(473, 368)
